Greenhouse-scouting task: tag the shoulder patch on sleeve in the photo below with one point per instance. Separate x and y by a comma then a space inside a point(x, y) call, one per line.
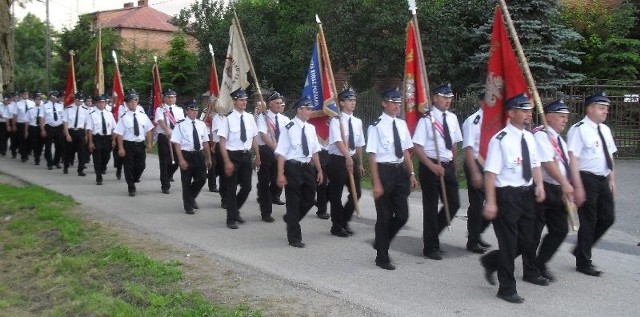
point(578, 124)
point(289, 125)
point(501, 135)
point(476, 120)
point(376, 122)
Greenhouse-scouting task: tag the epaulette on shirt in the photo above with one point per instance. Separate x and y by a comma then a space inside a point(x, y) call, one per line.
point(228, 113)
point(142, 111)
point(376, 122)
point(85, 107)
point(122, 115)
point(579, 124)
point(179, 121)
point(476, 120)
point(289, 125)
point(425, 115)
point(92, 112)
point(501, 135)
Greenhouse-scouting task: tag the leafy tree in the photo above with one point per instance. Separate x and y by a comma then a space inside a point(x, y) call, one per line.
point(608, 39)
point(545, 41)
point(180, 67)
point(30, 58)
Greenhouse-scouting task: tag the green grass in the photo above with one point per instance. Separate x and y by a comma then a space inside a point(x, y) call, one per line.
point(54, 263)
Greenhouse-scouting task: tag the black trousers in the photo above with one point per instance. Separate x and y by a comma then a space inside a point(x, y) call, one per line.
point(101, 154)
point(514, 226)
point(134, 163)
point(78, 142)
point(299, 192)
point(234, 198)
point(13, 145)
point(211, 172)
point(596, 215)
point(338, 177)
point(36, 143)
point(268, 189)
point(433, 221)
point(392, 208)
point(117, 160)
point(4, 138)
point(55, 137)
point(167, 169)
point(22, 143)
point(322, 191)
point(193, 178)
point(476, 223)
point(552, 213)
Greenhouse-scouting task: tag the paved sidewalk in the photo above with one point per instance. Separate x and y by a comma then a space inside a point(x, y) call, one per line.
point(344, 269)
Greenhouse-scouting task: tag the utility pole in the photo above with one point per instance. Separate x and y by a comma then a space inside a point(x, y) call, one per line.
point(48, 50)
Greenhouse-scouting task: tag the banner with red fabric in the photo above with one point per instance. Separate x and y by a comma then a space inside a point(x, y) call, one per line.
point(118, 93)
point(504, 80)
point(415, 98)
point(156, 91)
point(70, 87)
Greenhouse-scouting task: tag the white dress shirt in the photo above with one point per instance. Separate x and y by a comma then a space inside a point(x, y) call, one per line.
point(584, 142)
point(290, 143)
point(423, 135)
point(263, 125)
point(335, 135)
point(471, 132)
point(183, 134)
point(547, 152)
point(504, 156)
point(161, 115)
point(95, 121)
point(380, 139)
point(125, 128)
point(230, 130)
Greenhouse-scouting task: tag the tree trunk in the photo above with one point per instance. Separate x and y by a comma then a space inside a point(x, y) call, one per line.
point(6, 39)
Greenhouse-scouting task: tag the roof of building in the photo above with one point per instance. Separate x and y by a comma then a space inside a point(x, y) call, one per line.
point(141, 17)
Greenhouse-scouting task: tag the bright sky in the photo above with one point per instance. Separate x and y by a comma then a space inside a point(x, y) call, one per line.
point(64, 13)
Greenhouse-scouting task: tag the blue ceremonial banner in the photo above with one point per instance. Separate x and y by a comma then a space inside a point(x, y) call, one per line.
point(318, 88)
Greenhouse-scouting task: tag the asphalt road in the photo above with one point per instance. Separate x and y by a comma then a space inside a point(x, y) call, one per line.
point(343, 269)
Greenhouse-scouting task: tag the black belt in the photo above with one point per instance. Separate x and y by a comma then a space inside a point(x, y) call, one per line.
point(132, 142)
point(445, 164)
point(517, 189)
point(239, 152)
point(551, 185)
point(583, 173)
point(390, 164)
point(304, 164)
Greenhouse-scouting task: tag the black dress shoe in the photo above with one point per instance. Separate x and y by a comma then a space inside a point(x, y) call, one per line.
point(476, 248)
point(340, 232)
point(239, 219)
point(65, 171)
point(349, 231)
point(189, 211)
point(484, 244)
point(589, 270)
point(232, 225)
point(538, 280)
point(268, 219)
point(434, 255)
point(49, 167)
point(297, 244)
point(165, 191)
point(323, 215)
point(546, 274)
point(98, 182)
point(513, 298)
point(277, 201)
point(386, 266)
point(488, 272)
point(118, 174)
point(213, 189)
point(195, 205)
point(58, 166)
point(132, 193)
point(223, 205)
point(81, 173)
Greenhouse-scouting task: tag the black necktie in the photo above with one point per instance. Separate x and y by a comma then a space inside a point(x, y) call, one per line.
point(526, 161)
point(171, 122)
point(37, 115)
point(243, 130)
point(305, 145)
point(277, 129)
point(75, 124)
point(196, 138)
point(447, 136)
point(565, 161)
point(352, 143)
point(605, 149)
point(55, 113)
point(25, 107)
point(104, 124)
point(136, 129)
point(396, 141)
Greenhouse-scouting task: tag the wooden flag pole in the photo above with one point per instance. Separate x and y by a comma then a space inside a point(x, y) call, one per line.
point(211, 105)
point(423, 71)
point(73, 71)
point(325, 52)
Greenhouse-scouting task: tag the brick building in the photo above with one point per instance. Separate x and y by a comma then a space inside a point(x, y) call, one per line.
point(140, 26)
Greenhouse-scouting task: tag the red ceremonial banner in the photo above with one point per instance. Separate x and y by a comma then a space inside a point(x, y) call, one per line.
point(118, 93)
point(504, 80)
point(70, 88)
point(415, 99)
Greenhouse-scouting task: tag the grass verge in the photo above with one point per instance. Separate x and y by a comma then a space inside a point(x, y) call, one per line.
point(54, 263)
